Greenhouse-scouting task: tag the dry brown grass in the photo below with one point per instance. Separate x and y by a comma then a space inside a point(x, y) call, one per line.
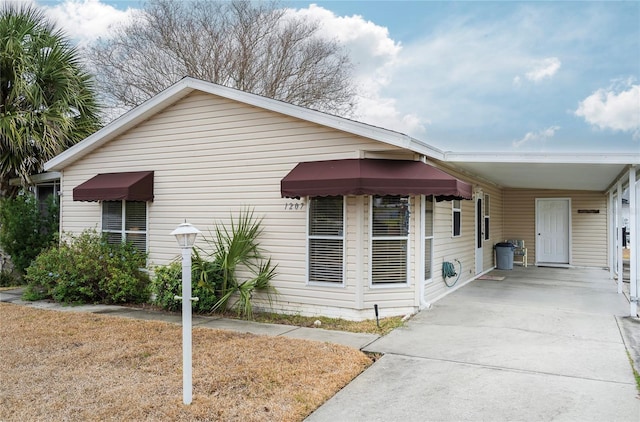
point(73, 366)
point(370, 326)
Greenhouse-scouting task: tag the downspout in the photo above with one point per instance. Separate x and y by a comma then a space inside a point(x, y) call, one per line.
point(359, 251)
point(60, 205)
point(421, 291)
point(423, 304)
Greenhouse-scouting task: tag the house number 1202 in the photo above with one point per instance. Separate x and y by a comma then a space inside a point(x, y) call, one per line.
point(292, 206)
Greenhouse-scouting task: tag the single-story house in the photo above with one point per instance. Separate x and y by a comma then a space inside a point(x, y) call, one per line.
point(353, 215)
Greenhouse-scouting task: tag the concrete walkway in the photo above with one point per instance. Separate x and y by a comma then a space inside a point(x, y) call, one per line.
point(543, 344)
point(355, 340)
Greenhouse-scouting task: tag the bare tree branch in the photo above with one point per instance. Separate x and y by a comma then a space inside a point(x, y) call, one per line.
point(252, 46)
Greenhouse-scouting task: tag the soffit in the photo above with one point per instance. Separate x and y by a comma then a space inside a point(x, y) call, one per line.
point(565, 176)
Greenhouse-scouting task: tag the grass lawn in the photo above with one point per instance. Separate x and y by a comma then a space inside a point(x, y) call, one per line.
point(78, 367)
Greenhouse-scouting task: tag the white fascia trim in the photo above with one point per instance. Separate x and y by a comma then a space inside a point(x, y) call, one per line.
point(46, 177)
point(34, 179)
point(542, 158)
point(187, 85)
point(123, 123)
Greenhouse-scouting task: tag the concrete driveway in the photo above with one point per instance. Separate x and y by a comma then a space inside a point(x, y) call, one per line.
point(543, 344)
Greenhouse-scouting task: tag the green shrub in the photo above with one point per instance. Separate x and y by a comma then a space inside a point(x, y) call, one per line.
point(87, 269)
point(8, 278)
point(124, 281)
point(25, 229)
point(237, 248)
point(167, 284)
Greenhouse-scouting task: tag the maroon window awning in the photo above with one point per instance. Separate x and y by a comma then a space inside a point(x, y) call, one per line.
point(128, 186)
point(372, 177)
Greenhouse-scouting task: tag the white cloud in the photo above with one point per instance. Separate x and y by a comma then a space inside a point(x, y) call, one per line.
point(616, 108)
point(517, 81)
point(375, 56)
point(446, 76)
point(544, 68)
point(539, 136)
point(86, 20)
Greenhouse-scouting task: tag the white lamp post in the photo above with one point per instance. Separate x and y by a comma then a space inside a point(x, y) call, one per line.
point(186, 234)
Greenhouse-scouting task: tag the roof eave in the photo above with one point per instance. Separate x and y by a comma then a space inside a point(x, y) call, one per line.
point(542, 158)
point(187, 85)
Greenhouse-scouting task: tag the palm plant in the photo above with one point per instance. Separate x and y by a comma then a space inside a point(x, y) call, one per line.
point(236, 250)
point(47, 101)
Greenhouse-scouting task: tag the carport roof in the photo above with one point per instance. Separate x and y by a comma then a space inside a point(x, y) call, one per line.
point(571, 171)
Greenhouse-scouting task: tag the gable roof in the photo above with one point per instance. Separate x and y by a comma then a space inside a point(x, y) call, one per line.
point(187, 85)
point(581, 171)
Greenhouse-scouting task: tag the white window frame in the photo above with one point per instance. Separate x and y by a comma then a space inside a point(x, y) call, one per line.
point(455, 210)
point(340, 283)
point(53, 184)
point(373, 238)
point(37, 190)
point(487, 217)
point(123, 232)
point(425, 238)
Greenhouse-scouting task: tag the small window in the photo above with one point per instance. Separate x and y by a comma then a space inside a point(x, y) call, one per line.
point(125, 221)
point(456, 208)
point(487, 214)
point(326, 239)
point(47, 194)
point(389, 239)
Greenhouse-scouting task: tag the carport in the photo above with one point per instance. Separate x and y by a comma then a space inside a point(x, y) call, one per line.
point(615, 175)
point(533, 343)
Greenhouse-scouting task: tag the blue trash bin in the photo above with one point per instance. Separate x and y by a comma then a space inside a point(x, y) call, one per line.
point(504, 256)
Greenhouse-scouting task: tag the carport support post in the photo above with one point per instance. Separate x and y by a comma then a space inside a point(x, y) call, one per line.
point(633, 243)
point(611, 221)
point(619, 262)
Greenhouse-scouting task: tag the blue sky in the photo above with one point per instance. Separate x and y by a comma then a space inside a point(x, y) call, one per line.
point(472, 76)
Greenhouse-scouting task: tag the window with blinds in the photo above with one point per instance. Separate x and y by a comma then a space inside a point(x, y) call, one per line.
point(125, 221)
point(326, 239)
point(428, 237)
point(389, 239)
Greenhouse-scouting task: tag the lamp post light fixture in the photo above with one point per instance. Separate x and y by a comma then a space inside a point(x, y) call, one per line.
point(186, 234)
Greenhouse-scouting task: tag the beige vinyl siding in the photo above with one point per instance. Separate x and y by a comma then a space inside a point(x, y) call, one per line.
point(213, 157)
point(588, 231)
point(496, 217)
point(447, 248)
point(77, 216)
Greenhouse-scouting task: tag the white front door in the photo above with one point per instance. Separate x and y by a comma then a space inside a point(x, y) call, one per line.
point(553, 221)
point(479, 234)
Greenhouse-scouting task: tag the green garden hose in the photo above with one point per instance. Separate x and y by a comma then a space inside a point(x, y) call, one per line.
point(449, 271)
